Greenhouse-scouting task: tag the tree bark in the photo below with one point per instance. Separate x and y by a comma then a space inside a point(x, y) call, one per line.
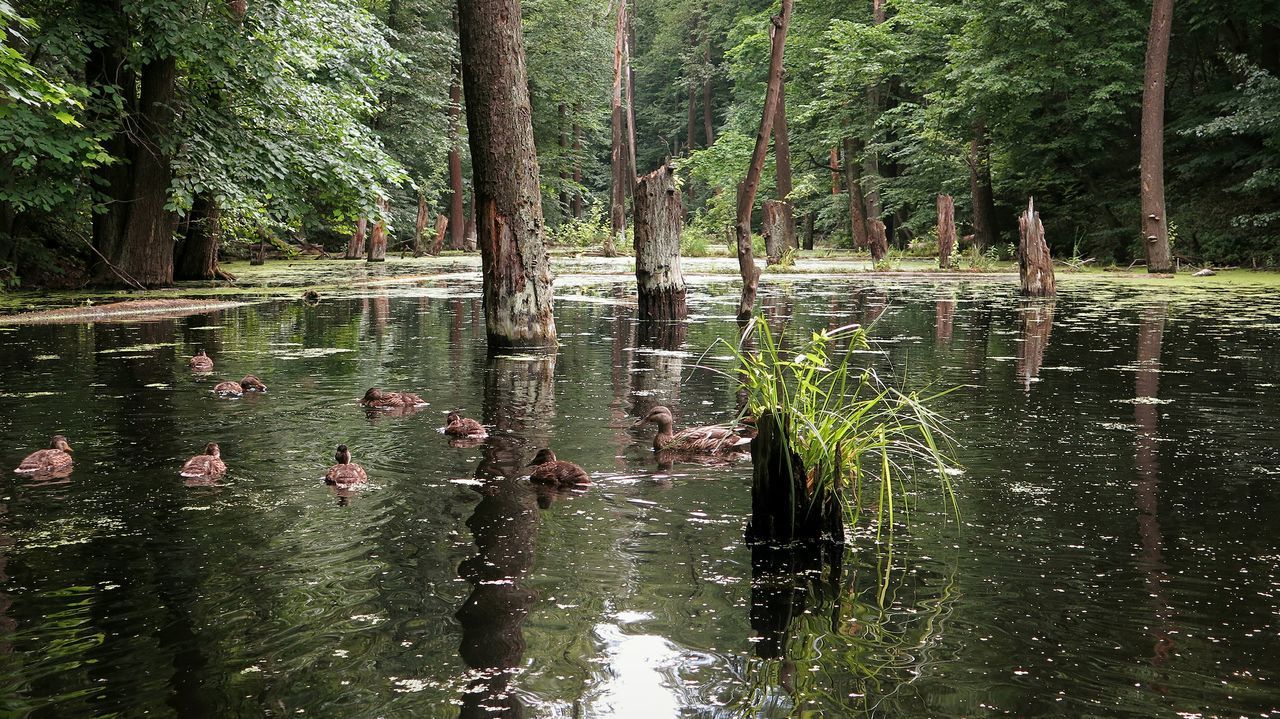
point(420, 225)
point(783, 507)
point(145, 250)
point(630, 89)
point(946, 230)
point(984, 204)
point(504, 161)
point(773, 227)
point(471, 242)
point(835, 172)
point(782, 165)
point(355, 246)
point(659, 220)
point(563, 113)
point(577, 167)
point(877, 240)
point(198, 257)
point(1155, 226)
point(693, 117)
point(110, 80)
point(619, 153)
point(857, 205)
point(808, 230)
point(708, 121)
point(378, 238)
point(442, 227)
point(457, 218)
point(1035, 265)
point(747, 188)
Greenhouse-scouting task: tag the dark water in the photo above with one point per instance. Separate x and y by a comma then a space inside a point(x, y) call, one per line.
point(1117, 554)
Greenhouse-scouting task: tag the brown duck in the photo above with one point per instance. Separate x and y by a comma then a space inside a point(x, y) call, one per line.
point(554, 472)
point(464, 427)
point(235, 389)
point(378, 399)
point(55, 459)
point(208, 465)
point(201, 362)
point(345, 472)
point(710, 439)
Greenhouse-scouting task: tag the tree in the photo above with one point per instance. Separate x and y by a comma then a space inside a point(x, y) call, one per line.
point(1155, 226)
point(504, 162)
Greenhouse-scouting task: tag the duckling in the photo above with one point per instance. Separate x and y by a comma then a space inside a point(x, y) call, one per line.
point(378, 399)
point(201, 362)
point(55, 459)
point(463, 427)
point(551, 471)
point(208, 465)
point(235, 389)
point(711, 439)
point(345, 472)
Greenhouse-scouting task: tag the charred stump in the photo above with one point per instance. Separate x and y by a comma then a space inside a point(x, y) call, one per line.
point(1035, 265)
point(659, 220)
point(355, 246)
point(785, 506)
point(946, 230)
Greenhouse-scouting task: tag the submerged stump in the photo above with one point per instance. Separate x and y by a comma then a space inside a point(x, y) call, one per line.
point(1035, 265)
point(785, 505)
point(659, 220)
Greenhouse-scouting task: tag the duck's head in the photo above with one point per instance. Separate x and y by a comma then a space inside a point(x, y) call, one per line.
point(201, 354)
point(342, 455)
point(374, 394)
point(544, 456)
point(253, 383)
point(453, 417)
point(59, 442)
point(659, 415)
point(213, 449)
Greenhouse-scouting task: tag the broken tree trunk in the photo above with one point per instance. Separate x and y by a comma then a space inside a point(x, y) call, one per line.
point(946, 230)
point(508, 198)
point(747, 188)
point(1035, 265)
point(784, 507)
point(774, 230)
point(378, 238)
point(659, 219)
point(1155, 226)
point(442, 226)
point(355, 246)
point(419, 225)
point(877, 241)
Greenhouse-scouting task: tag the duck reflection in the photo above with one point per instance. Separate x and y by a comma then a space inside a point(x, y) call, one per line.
point(518, 399)
point(1147, 458)
point(1037, 324)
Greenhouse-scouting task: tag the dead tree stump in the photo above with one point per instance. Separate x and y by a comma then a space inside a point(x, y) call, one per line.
point(419, 225)
point(808, 230)
point(378, 238)
point(658, 222)
point(784, 507)
point(877, 242)
point(946, 230)
point(442, 226)
point(355, 247)
point(779, 229)
point(1035, 265)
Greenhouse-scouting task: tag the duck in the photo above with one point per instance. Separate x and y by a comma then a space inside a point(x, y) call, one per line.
point(235, 389)
point(378, 399)
point(201, 362)
point(345, 472)
point(56, 458)
point(464, 427)
point(205, 465)
point(710, 439)
point(554, 472)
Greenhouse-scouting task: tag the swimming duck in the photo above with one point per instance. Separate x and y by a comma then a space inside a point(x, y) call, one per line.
point(200, 362)
point(378, 399)
point(463, 427)
point(711, 439)
point(235, 389)
point(209, 464)
point(345, 472)
point(55, 459)
point(551, 471)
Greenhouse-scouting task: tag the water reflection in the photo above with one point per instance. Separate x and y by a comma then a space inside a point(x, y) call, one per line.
point(1147, 458)
point(1036, 318)
point(944, 318)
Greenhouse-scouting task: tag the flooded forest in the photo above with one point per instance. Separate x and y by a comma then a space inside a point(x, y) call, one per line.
point(626, 358)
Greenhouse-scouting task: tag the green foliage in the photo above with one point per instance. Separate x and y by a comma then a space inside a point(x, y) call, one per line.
point(590, 232)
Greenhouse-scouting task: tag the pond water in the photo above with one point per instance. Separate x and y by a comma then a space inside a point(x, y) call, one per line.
point(1116, 553)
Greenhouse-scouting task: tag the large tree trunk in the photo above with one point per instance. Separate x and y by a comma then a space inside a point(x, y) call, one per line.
point(857, 205)
point(198, 258)
point(984, 203)
point(420, 225)
point(378, 238)
point(659, 219)
point(457, 218)
point(619, 154)
point(504, 161)
point(1035, 265)
point(629, 76)
point(747, 188)
point(1155, 226)
point(946, 230)
point(145, 251)
point(577, 167)
point(871, 163)
point(773, 227)
point(110, 80)
point(782, 163)
point(834, 163)
point(355, 246)
point(808, 230)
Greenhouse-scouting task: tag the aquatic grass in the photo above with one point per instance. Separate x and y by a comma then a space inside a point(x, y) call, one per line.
point(858, 439)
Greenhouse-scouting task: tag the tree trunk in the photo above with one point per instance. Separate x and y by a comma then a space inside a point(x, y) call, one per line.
point(110, 80)
point(457, 240)
point(619, 153)
point(504, 161)
point(629, 76)
point(877, 240)
point(773, 227)
point(442, 227)
point(198, 258)
point(145, 251)
point(782, 164)
point(708, 121)
point(1155, 226)
point(857, 205)
point(471, 242)
point(946, 230)
point(871, 164)
point(1035, 265)
point(659, 220)
point(378, 238)
point(747, 188)
point(984, 204)
point(783, 506)
point(420, 225)
point(693, 117)
point(835, 172)
point(355, 246)
point(258, 254)
point(577, 167)
point(564, 172)
point(808, 230)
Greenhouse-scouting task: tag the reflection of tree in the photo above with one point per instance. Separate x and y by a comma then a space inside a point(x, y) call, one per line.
point(518, 403)
point(1146, 415)
point(1037, 324)
point(656, 370)
point(945, 311)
